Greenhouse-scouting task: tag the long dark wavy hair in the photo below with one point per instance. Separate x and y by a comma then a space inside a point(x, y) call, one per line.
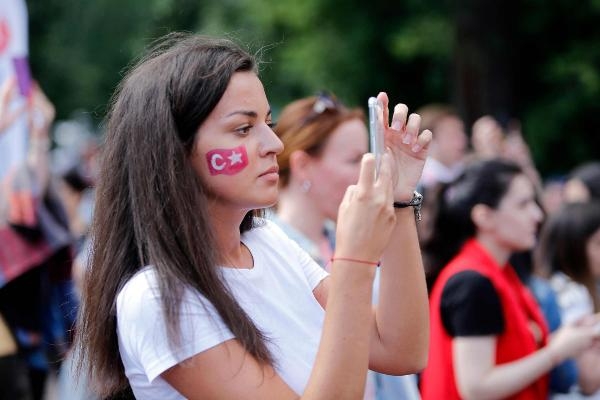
point(482, 182)
point(563, 242)
point(151, 207)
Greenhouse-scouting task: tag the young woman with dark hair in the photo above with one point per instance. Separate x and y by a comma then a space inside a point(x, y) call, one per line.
point(569, 251)
point(190, 294)
point(488, 337)
point(583, 183)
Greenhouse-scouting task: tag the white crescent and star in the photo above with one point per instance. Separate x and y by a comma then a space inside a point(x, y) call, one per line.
point(213, 162)
point(235, 158)
point(217, 161)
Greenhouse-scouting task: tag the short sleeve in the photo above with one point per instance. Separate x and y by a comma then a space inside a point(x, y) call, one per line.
point(470, 306)
point(313, 272)
point(141, 327)
point(573, 298)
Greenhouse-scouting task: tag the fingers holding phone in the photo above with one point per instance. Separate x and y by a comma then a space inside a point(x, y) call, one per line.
point(366, 216)
point(376, 131)
point(405, 142)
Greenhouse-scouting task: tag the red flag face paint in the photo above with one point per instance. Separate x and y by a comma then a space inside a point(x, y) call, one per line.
point(227, 161)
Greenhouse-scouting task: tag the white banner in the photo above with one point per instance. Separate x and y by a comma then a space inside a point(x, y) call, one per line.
point(14, 44)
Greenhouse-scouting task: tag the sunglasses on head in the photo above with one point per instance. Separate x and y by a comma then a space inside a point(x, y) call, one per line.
point(324, 102)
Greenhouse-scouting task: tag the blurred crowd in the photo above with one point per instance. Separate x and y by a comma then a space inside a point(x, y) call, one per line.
point(46, 206)
point(530, 248)
point(484, 203)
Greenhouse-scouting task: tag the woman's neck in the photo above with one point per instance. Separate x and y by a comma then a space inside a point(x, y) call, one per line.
point(297, 210)
point(226, 227)
point(498, 252)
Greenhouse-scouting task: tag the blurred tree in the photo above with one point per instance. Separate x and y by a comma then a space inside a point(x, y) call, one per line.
point(526, 59)
point(559, 81)
point(538, 62)
point(79, 50)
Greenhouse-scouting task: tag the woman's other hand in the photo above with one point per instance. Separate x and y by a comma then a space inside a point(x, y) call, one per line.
point(571, 340)
point(407, 146)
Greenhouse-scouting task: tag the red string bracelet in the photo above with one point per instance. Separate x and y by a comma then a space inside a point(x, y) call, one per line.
point(375, 263)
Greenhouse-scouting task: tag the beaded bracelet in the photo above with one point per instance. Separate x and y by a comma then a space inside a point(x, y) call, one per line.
point(375, 263)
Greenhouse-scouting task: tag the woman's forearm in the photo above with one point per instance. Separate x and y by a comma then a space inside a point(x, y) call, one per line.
point(400, 344)
point(341, 365)
point(38, 161)
point(504, 380)
point(588, 371)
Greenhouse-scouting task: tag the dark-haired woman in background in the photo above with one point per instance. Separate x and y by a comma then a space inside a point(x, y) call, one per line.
point(488, 337)
point(569, 249)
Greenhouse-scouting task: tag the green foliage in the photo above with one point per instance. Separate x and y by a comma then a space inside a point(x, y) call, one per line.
point(429, 36)
point(560, 96)
point(526, 59)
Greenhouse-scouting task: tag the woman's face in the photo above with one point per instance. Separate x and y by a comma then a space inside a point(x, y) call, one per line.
point(450, 141)
point(592, 249)
point(516, 220)
point(235, 149)
point(337, 166)
point(576, 191)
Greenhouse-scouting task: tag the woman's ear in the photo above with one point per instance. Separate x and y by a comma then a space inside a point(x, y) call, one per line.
point(482, 216)
point(299, 165)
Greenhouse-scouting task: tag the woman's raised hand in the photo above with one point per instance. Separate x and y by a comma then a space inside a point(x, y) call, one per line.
point(366, 215)
point(8, 115)
point(571, 340)
point(407, 145)
point(42, 113)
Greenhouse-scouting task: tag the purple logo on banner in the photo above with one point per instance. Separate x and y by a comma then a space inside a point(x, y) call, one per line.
point(23, 72)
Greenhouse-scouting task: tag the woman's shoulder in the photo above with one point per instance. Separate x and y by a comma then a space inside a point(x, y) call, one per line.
point(266, 229)
point(138, 290)
point(468, 283)
point(573, 297)
point(563, 285)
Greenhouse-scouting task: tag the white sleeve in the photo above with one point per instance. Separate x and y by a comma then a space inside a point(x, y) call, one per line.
point(573, 298)
point(143, 336)
point(313, 272)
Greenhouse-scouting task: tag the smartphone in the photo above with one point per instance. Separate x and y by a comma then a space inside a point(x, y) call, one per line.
point(376, 131)
point(23, 72)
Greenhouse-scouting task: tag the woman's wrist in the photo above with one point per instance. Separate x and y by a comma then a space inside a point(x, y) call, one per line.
point(415, 203)
point(356, 261)
point(403, 195)
point(358, 270)
point(554, 358)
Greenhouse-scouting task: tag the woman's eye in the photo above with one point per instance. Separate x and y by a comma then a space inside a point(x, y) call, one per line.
point(244, 130)
point(271, 124)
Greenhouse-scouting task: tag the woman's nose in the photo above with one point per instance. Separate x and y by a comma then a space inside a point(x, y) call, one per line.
point(271, 142)
point(538, 213)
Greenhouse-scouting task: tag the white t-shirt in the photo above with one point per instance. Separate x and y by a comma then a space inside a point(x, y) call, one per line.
point(574, 302)
point(573, 298)
point(276, 293)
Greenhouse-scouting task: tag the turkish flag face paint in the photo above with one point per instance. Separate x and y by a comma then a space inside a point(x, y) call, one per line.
point(227, 161)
